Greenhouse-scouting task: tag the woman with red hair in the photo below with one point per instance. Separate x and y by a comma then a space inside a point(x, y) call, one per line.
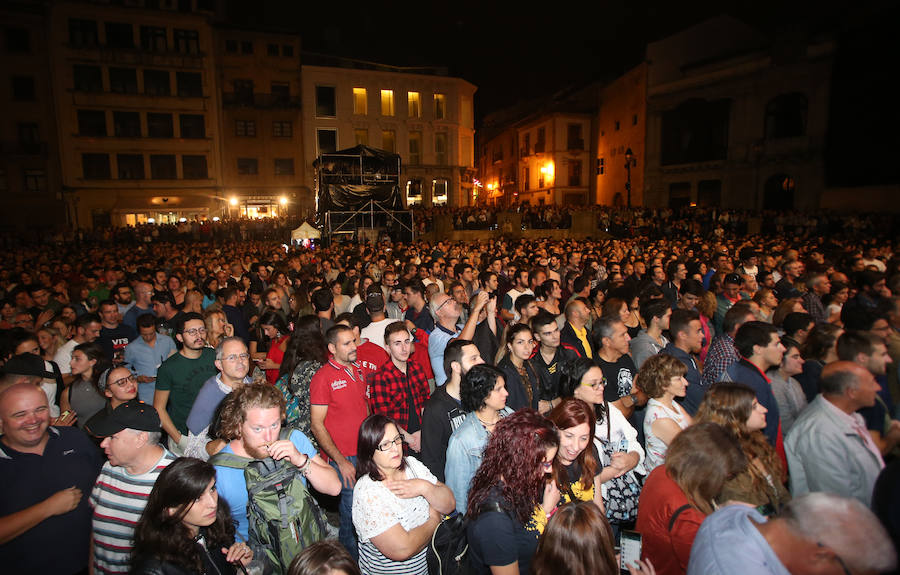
point(507, 489)
point(578, 456)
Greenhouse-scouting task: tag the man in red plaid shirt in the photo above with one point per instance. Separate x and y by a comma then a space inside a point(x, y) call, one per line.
point(399, 388)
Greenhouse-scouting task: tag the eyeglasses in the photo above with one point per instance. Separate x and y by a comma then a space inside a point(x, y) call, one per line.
point(838, 558)
point(237, 356)
point(124, 381)
point(446, 301)
point(386, 445)
point(195, 331)
point(596, 385)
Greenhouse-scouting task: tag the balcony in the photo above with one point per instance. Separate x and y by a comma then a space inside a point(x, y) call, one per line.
point(139, 57)
point(254, 100)
point(539, 147)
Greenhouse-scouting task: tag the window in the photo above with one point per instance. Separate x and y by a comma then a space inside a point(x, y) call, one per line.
point(284, 166)
point(387, 102)
point(440, 106)
point(440, 149)
point(246, 47)
point(131, 166)
point(82, 33)
point(194, 168)
point(91, 123)
point(282, 129)
point(95, 166)
point(17, 40)
point(326, 141)
point(162, 167)
point(29, 137)
point(186, 41)
point(245, 128)
point(287, 51)
point(439, 194)
point(634, 120)
point(247, 166)
point(361, 137)
point(415, 148)
point(574, 138)
point(156, 83)
point(272, 50)
point(617, 125)
point(526, 178)
point(123, 80)
point(574, 173)
point(360, 103)
point(23, 88)
point(695, 131)
point(192, 126)
point(413, 192)
point(231, 46)
point(154, 39)
point(87, 78)
point(190, 84)
point(127, 124)
point(159, 126)
point(119, 35)
point(281, 93)
point(325, 102)
point(415, 105)
point(35, 181)
point(388, 141)
point(243, 91)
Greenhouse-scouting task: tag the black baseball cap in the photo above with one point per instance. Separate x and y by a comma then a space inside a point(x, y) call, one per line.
point(25, 364)
point(133, 414)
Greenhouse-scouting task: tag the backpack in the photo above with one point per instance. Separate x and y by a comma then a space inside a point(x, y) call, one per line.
point(284, 518)
point(449, 544)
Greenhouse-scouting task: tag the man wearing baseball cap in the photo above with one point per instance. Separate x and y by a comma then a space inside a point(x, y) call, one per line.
point(131, 434)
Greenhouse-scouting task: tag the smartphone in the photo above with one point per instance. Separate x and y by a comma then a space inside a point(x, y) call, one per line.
point(630, 549)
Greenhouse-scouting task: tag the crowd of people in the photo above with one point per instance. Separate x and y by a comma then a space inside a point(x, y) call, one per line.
point(730, 397)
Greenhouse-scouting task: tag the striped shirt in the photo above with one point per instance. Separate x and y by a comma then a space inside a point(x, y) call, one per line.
point(118, 500)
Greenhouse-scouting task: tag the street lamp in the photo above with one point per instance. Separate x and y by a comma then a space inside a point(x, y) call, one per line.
point(629, 160)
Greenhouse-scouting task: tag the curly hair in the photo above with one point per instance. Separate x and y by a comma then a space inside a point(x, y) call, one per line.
point(577, 540)
point(477, 385)
point(306, 344)
point(161, 534)
point(572, 412)
point(234, 407)
point(730, 405)
point(657, 373)
point(515, 452)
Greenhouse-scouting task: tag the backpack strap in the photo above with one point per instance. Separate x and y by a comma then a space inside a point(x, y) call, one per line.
point(678, 512)
point(230, 460)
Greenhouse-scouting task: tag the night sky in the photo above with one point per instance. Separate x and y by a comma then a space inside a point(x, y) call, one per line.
point(514, 53)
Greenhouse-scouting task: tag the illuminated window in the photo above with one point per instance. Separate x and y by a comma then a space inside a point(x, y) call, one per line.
point(439, 192)
point(413, 192)
point(387, 102)
point(360, 102)
point(361, 137)
point(388, 141)
point(415, 105)
point(440, 106)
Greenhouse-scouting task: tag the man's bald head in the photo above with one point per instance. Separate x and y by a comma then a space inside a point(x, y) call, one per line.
point(25, 417)
point(839, 376)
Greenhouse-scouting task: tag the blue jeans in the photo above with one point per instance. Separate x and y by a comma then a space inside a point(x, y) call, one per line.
point(346, 531)
point(146, 391)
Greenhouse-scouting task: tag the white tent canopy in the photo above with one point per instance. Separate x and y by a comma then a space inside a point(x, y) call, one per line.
point(305, 232)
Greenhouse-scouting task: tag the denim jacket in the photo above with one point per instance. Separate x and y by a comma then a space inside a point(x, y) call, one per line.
point(464, 456)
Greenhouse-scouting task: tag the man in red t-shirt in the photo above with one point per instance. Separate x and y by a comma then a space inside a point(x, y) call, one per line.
point(338, 399)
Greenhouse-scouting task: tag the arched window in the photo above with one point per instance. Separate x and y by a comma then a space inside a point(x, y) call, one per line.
point(786, 116)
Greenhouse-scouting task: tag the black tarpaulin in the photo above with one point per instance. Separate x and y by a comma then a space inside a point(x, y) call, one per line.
point(347, 180)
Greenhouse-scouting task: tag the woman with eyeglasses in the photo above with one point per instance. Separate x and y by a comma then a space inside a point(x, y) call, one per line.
point(622, 456)
point(186, 528)
point(397, 502)
point(118, 385)
point(526, 389)
point(483, 394)
point(513, 485)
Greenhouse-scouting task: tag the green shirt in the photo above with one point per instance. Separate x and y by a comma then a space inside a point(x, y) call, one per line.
point(183, 378)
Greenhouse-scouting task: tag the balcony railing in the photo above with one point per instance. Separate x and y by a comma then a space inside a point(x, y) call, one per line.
point(255, 100)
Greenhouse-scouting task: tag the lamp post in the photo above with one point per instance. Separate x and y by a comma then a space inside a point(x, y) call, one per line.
point(629, 158)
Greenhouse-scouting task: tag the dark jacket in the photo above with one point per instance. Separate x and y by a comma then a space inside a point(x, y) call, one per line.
point(516, 387)
point(570, 341)
point(747, 373)
point(695, 389)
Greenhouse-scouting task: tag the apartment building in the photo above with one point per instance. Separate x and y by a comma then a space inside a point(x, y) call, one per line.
point(421, 114)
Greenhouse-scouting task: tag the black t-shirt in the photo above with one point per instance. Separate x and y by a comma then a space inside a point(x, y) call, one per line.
point(573, 476)
point(619, 376)
point(550, 371)
point(497, 538)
